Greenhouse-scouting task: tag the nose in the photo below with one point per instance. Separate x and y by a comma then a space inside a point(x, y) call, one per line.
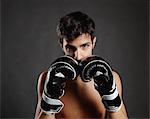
point(78, 55)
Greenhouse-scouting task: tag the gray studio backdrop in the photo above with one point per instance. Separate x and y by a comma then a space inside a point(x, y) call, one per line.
point(29, 45)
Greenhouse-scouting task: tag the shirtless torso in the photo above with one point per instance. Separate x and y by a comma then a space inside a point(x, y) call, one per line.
point(81, 100)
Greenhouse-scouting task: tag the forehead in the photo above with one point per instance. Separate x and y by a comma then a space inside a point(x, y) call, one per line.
point(82, 39)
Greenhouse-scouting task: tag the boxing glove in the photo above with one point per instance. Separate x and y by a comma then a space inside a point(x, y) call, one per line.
point(62, 69)
point(98, 69)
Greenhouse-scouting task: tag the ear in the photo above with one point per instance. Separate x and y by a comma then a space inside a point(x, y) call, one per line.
point(94, 41)
point(61, 44)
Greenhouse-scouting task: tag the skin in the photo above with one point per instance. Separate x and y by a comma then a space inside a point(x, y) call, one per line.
point(81, 100)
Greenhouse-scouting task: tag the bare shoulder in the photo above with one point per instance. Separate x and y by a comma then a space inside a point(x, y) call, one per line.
point(41, 81)
point(40, 85)
point(117, 78)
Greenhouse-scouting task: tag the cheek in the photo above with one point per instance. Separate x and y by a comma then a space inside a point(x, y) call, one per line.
point(88, 52)
point(68, 53)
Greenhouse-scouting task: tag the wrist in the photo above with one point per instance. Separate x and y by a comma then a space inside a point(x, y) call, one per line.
point(113, 102)
point(50, 105)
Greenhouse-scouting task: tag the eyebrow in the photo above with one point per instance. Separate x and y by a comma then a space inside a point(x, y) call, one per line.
point(69, 46)
point(85, 44)
point(73, 47)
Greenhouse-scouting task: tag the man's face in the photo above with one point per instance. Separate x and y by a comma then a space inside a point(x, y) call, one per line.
point(79, 48)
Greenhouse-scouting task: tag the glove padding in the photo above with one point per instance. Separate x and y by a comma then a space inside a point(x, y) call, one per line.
point(62, 69)
point(98, 69)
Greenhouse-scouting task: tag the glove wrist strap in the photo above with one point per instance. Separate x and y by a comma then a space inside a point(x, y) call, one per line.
point(51, 106)
point(112, 104)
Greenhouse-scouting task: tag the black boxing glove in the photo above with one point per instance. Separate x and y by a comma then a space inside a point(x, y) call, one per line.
point(98, 69)
point(62, 69)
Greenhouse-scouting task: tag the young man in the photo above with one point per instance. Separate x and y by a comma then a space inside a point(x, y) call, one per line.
point(81, 96)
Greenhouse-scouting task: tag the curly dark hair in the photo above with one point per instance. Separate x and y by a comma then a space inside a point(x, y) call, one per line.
point(74, 24)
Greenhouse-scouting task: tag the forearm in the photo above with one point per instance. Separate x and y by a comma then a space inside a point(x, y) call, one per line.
point(43, 115)
point(121, 114)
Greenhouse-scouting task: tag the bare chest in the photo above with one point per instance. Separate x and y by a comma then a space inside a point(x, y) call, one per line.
point(81, 100)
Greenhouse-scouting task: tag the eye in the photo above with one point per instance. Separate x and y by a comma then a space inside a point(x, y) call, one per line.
point(85, 46)
point(70, 48)
point(67, 49)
